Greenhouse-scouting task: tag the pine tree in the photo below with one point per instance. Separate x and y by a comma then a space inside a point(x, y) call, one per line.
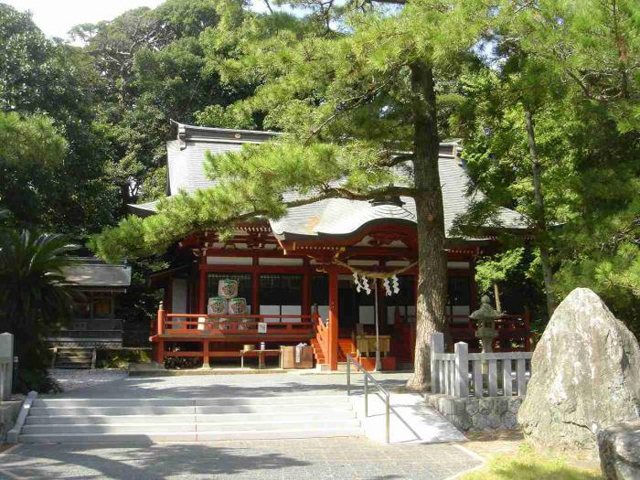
point(581, 98)
point(354, 88)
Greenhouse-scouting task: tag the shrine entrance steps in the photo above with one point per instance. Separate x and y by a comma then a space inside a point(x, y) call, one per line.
point(74, 357)
point(153, 420)
point(345, 347)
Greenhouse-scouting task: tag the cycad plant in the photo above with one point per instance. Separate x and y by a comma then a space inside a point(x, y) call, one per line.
point(35, 299)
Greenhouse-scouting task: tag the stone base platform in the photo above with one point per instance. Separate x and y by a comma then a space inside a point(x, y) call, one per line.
point(478, 414)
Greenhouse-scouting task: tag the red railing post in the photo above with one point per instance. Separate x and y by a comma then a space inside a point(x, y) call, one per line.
point(162, 315)
point(158, 352)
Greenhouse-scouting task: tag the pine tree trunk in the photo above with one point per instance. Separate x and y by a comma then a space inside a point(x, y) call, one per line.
point(540, 220)
point(432, 263)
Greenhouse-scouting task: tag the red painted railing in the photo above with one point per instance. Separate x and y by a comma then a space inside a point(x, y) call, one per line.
point(181, 324)
point(322, 336)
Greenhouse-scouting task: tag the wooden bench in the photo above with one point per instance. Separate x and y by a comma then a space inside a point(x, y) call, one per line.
point(258, 353)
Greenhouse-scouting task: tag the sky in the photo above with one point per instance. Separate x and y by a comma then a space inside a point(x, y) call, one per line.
point(56, 17)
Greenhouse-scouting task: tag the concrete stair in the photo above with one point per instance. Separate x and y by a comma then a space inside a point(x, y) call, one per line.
point(76, 357)
point(103, 420)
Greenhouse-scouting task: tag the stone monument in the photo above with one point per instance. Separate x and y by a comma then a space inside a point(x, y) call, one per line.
point(586, 375)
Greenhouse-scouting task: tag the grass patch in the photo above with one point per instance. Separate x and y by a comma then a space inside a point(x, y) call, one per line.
point(529, 464)
point(121, 358)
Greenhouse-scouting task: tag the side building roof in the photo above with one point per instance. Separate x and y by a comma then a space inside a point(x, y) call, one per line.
point(187, 156)
point(90, 272)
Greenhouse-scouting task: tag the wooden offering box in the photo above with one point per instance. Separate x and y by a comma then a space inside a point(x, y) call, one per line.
point(288, 357)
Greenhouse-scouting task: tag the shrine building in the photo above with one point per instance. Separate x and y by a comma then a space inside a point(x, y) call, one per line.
point(311, 276)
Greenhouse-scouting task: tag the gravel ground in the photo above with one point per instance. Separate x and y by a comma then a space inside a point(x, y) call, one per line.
point(70, 379)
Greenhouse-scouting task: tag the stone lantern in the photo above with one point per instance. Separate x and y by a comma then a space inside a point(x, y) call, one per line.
point(486, 317)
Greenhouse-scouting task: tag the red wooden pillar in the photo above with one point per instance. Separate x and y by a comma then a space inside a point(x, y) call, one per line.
point(162, 314)
point(333, 319)
point(205, 354)
point(159, 350)
point(202, 290)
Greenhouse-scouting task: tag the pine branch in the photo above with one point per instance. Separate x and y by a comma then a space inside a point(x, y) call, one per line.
point(391, 158)
point(348, 105)
point(329, 192)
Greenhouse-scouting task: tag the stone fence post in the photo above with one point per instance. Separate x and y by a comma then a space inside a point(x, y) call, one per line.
point(461, 385)
point(437, 346)
point(6, 365)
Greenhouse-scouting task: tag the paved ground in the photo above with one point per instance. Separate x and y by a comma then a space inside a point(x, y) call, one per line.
point(114, 384)
point(410, 420)
point(318, 459)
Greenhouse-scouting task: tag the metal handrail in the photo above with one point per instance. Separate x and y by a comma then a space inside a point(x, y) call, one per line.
point(382, 393)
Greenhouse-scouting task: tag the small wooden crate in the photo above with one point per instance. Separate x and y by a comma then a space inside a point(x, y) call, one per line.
point(288, 357)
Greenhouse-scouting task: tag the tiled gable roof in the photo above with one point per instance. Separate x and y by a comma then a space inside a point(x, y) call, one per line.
point(93, 273)
point(187, 155)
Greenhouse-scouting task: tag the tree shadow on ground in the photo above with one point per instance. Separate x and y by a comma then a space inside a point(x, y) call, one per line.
point(142, 461)
point(221, 386)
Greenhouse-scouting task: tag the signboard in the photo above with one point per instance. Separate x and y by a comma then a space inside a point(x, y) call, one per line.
point(262, 327)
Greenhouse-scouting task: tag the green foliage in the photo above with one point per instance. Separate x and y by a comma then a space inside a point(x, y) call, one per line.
point(25, 142)
point(109, 102)
point(342, 96)
point(83, 136)
point(40, 77)
point(31, 151)
point(498, 268)
point(34, 299)
point(121, 358)
point(529, 464)
point(182, 363)
point(583, 94)
point(153, 68)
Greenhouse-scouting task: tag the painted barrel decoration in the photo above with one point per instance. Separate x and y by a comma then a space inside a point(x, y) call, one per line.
point(237, 306)
point(228, 288)
point(217, 306)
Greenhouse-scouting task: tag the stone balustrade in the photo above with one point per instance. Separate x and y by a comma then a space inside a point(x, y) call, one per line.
point(6, 365)
point(478, 391)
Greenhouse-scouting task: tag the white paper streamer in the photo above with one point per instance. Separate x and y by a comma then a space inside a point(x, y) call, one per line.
point(387, 287)
point(365, 284)
point(356, 280)
point(396, 284)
